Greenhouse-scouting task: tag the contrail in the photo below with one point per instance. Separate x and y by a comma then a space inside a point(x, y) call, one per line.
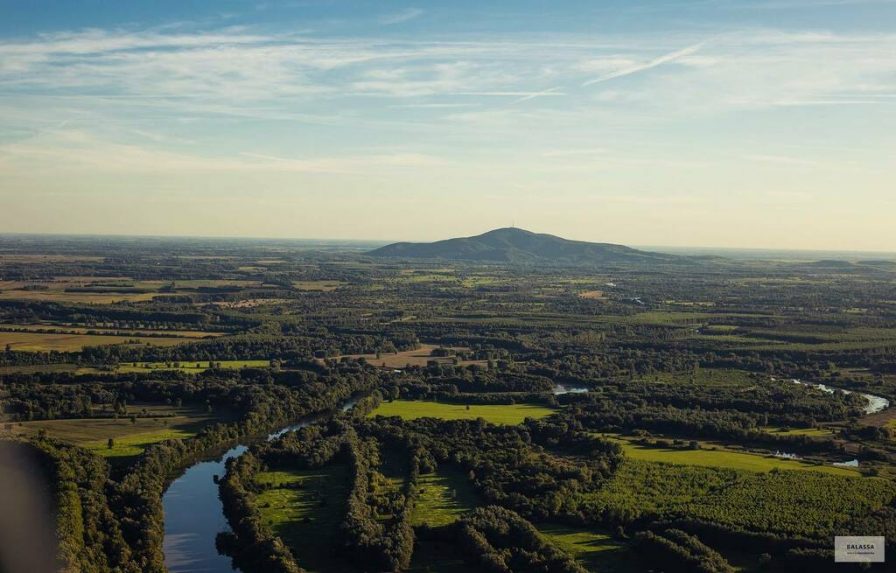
point(659, 61)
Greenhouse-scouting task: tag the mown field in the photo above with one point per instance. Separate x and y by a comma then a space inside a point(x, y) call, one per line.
point(418, 357)
point(317, 286)
point(105, 331)
point(496, 414)
point(38, 342)
point(133, 444)
point(76, 297)
point(718, 456)
point(112, 290)
point(200, 366)
point(130, 437)
point(812, 432)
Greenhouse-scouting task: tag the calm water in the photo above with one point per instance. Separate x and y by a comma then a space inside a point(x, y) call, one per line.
point(194, 515)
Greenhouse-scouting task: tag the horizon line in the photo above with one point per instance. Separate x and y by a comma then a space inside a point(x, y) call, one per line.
point(4, 234)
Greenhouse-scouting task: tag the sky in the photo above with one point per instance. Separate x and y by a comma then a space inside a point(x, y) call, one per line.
point(716, 123)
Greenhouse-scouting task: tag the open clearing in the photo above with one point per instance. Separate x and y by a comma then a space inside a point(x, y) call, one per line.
point(130, 438)
point(510, 414)
point(442, 497)
point(106, 331)
point(37, 342)
point(595, 550)
point(134, 444)
point(812, 432)
point(318, 286)
point(109, 290)
point(419, 357)
point(191, 366)
point(104, 290)
point(76, 297)
point(249, 303)
point(720, 457)
point(305, 508)
point(592, 294)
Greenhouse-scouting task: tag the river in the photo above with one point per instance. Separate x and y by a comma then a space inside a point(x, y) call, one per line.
point(194, 515)
point(560, 389)
point(875, 403)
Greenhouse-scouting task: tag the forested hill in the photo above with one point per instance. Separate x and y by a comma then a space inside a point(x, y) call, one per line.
point(511, 245)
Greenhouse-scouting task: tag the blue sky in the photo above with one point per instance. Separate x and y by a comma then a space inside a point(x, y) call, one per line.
point(702, 123)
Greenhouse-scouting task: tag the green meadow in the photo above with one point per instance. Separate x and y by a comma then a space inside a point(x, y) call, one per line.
point(305, 508)
point(595, 550)
point(129, 437)
point(715, 456)
point(197, 366)
point(511, 414)
point(442, 497)
point(134, 444)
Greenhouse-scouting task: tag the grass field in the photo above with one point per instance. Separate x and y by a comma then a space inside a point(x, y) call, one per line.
point(191, 366)
point(442, 497)
point(76, 297)
point(28, 258)
point(305, 508)
point(720, 457)
point(104, 331)
point(318, 286)
point(106, 290)
point(134, 444)
point(595, 550)
point(418, 357)
point(30, 369)
point(592, 294)
point(249, 303)
point(130, 438)
point(812, 432)
point(37, 342)
point(496, 414)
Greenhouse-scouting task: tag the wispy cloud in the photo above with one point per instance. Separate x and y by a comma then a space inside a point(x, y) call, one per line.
point(543, 93)
point(146, 87)
point(405, 15)
point(80, 151)
point(655, 62)
point(243, 70)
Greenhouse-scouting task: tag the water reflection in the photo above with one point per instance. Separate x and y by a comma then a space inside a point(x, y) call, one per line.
point(194, 515)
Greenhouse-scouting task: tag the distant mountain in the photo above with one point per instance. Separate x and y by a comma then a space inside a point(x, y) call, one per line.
point(511, 245)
